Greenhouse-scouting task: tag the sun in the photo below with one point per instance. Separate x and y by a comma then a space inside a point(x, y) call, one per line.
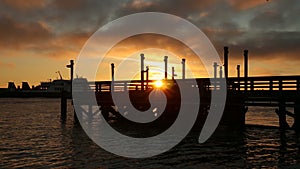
point(158, 84)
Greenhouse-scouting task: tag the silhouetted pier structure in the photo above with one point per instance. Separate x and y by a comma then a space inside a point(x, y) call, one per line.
point(279, 92)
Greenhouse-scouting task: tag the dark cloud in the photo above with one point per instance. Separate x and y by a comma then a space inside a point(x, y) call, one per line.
point(272, 44)
point(78, 16)
point(68, 5)
point(268, 20)
point(262, 46)
point(266, 28)
point(38, 37)
point(20, 35)
point(24, 5)
point(246, 4)
point(175, 7)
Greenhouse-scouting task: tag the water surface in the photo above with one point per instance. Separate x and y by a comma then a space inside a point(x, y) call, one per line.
point(32, 136)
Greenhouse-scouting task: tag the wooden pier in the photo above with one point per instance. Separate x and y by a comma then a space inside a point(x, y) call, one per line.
point(279, 92)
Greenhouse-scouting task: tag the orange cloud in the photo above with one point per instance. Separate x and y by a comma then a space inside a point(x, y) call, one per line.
point(141, 42)
point(7, 65)
point(63, 46)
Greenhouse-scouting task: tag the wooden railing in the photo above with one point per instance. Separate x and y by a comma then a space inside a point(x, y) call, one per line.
point(270, 83)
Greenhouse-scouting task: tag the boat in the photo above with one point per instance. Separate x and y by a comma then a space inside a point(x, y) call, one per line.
point(50, 89)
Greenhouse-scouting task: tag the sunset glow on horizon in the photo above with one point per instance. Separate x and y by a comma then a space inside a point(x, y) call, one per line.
point(38, 38)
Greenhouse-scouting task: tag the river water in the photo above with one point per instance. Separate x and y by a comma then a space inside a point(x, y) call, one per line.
point(32, 136)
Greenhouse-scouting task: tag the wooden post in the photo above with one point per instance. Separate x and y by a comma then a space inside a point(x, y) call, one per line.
point(63, 106)
point(173, 73)
point(147, 76)
point(244, 116)
point(296, 125)
point(215, 69)
point(246, 68)
point(252, 85)
point(76, 121)
point(71, 67)
point(226, 52)
point(183, 68)
point(125, 86)
point(238, 76)
point(281, 112)
point(100, 87)
point(166, 67)
point(215, 65)
point(97, 87)
point(142, 71)
point(280, 85)
point(112, 77)
point(64, 95)
point(271, 85)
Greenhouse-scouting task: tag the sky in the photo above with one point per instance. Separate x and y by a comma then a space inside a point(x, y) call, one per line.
point(39, 37)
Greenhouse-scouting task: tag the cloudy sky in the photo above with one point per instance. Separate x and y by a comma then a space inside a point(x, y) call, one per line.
point(39, 37)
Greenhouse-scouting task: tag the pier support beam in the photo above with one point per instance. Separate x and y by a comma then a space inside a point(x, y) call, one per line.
point(76, 121)
point(246, 68)
point(234, 112)
point(64, 95)
point(226, 52)
point(244, 117)
point(166, 67)
point(71, 67)
point(112, 77)
point(238, 69)
point(183, 68)
point(281, 112)
point(147, 77)
point(221, 72)
point(215, 69)
point(173, 73)
point(63, 106)
point(142, 71)
point(296, 125)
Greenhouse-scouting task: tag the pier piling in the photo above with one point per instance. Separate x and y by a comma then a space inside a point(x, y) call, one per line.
point(238, 76)
point(296, 125)
point(246, 68)
point(183, 68)
point(281, 112)
point(142, 71)
point(112, 76)
point(215, 69)
point(166, 67)
point(173, 73)
point(226, 52)
point(63, 106)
